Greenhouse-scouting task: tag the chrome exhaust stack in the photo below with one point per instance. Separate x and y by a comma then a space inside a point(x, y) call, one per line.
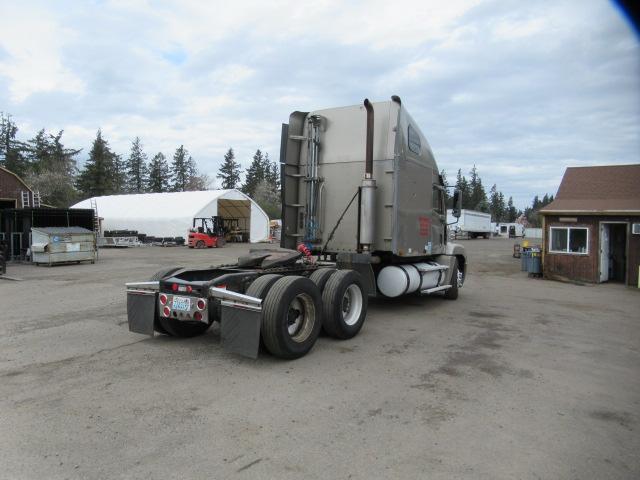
point(367, 188)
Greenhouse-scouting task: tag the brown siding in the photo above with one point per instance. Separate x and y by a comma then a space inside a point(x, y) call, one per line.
point(11, 187)
point(585, 268)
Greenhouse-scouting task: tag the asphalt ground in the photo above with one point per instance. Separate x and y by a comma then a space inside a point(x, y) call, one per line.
point(518, 378)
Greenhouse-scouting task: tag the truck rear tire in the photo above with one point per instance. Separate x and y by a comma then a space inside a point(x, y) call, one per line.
point(199, 244)
point(261, 285)
point(344, 303)
point(165, 272)
point(321, 276)
point(291, 317)
point(452, 293)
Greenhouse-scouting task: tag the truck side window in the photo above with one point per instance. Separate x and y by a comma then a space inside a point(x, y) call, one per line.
point(414, 140)
point(438, 200)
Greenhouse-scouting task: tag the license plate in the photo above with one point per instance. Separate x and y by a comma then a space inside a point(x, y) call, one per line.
point(181, 303)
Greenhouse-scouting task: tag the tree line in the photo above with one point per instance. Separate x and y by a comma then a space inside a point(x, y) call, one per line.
point(474, 197)
point(50, 168)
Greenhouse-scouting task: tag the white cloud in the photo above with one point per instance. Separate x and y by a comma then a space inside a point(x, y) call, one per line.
point(522, 90)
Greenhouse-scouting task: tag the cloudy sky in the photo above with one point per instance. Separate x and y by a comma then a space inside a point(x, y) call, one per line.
point(521, 89)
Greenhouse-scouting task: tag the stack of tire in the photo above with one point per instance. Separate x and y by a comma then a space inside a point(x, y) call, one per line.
point(295, 309)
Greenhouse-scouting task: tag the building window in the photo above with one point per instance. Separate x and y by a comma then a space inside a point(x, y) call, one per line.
point(569, 240)
point(413, 140)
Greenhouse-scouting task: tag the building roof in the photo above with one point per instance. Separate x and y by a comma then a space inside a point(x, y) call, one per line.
point(2, 169)
point(604, 189)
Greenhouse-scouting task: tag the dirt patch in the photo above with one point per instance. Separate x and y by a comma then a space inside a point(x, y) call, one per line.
point(623, 419)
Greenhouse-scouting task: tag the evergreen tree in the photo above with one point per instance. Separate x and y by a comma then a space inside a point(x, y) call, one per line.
point(463, 186)
point(12, 151)
point(119, 174)
point(512, 211)
point(255, 174)
point(137, 172)
point(180, 170)
point(195, 180)
point(494, 204)
point(52, 169)
point(229, 171)
point(478, 197)
point(101, 174)
point(158, 174)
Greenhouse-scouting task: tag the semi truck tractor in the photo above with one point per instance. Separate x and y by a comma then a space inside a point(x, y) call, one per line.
point(363, 215)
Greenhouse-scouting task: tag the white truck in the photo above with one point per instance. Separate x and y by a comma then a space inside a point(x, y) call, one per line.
point(471, 223)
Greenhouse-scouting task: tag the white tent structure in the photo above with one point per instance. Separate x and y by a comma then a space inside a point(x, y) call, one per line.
point(171, 214)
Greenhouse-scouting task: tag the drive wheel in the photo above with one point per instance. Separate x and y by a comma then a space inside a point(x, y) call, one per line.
point(291, 317)
point(456, 283)
point(199, 244)
point(321, 276)
point(261, 285)
point(220, 242)
point(344, 303)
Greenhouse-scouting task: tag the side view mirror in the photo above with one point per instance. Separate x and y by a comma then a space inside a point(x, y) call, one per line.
point(457, 204)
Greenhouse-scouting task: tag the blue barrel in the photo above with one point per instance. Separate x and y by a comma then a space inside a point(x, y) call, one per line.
point(535, 263)
point(524, 259)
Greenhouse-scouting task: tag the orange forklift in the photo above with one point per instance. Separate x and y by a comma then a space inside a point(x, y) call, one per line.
point(207, 233)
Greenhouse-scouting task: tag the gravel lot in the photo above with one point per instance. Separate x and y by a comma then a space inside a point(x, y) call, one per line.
point(518, 378)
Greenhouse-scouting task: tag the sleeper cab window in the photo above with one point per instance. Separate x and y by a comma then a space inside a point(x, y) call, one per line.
point(569, 240)
point(414, 140)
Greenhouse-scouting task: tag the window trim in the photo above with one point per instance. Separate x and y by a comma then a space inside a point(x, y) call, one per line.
point(567, 251)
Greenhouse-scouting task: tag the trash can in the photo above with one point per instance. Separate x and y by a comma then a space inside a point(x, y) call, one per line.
point(524, 259)
point(535, 263)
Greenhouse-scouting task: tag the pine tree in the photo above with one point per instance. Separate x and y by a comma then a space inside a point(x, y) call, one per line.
point(179, 170)
point(195, 180)
point(255, 174)
point(463, 186)
point(102, 174)
point(512, 211)
point(12, 151)
point(137, 172)
point(494, 204)
point(158, 174)
point(229, 171)
point(478, 197)
point(52, 169)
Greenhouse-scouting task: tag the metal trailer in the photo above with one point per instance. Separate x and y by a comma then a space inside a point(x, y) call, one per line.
point(363, 215)
point(473, 224)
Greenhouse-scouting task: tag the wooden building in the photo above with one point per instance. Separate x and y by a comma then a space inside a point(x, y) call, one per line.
point(591, 231)
point(14, 192)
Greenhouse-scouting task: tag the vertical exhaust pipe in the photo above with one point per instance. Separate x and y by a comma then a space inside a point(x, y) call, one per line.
point(367, 188)
point(368, 159)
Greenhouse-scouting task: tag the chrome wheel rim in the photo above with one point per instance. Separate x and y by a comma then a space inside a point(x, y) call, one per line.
point(301, 316)
point(351, 306)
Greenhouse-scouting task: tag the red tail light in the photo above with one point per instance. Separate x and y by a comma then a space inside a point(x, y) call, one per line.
point(220, 286)
point(201, 304)
point(163, 299)
point(174, 287)
point(189, 289)
point(166, 311)
point(197, 316)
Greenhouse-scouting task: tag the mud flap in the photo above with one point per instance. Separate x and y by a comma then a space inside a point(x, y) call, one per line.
point(240, 329)
point(141, 311)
